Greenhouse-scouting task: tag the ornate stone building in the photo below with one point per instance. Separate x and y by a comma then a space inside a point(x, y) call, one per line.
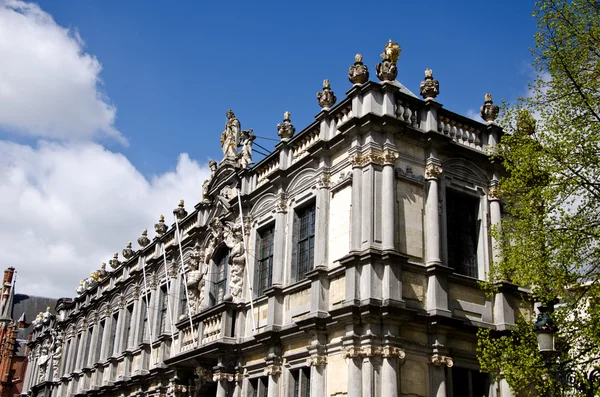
point(16, 312)
point(344, 263)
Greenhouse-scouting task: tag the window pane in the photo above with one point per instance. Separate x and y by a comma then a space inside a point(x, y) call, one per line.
point(461, 220)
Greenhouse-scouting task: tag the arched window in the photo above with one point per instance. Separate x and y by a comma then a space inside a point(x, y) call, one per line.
point(220, 277)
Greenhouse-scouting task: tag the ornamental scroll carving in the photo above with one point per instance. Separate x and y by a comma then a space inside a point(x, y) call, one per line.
point(316, 360)
point(439, 360)
point(273, 370)
point(379, 157)
point(374, 351)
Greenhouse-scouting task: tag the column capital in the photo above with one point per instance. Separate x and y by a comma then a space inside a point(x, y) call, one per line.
point(316, 360)
point(324, 181)
point(281, 204)
point(494, 190)
point(438, 360)
point(224, 376)
point(272, 370)
point(433, 169)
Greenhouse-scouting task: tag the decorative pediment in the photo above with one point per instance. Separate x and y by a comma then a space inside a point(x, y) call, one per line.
point(264, 204)
point(304, 179)
point(463, 169)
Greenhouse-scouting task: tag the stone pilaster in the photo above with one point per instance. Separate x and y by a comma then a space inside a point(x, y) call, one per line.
point(438, 365)
point(322, 220)
point(279, 242)
point(388, 200)
point(495, 218)
point(393, 357)
point(353, 356)
point(318, 374)
point(273, 371)
point(223, 380)
point(433, 171)
point(356, 239)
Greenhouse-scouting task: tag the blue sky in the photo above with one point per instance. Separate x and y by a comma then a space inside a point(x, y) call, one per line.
point(173, 71)
point(110, 110)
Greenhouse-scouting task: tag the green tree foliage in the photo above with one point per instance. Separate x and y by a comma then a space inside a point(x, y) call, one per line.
point(550, 234)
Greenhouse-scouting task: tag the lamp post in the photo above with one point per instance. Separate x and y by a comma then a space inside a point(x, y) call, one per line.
point(545, 331)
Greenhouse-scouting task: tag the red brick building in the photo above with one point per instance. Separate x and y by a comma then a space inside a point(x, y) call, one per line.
point(16, 313)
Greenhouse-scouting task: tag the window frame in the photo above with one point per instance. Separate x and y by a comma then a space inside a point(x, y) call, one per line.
point(264, 260)
point(310, 211)
point(301, 382)
point(221, 266)
point(473, 206)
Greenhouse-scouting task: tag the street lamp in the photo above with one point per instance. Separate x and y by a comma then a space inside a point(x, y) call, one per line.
point(545, 331)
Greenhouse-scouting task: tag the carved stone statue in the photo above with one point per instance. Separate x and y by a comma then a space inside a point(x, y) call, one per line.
point(43, 363)
point(230, 137)
point(212, 164)
point(430, 88)
point(56, 356)
point(358, 73)
point(196, 279)
point(81, 288)
point(246, 153)
point(387, 70)
point(234, 241)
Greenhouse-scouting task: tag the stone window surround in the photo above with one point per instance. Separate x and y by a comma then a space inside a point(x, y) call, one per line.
point(267, 226)
point(477, 191)
point(301, 200)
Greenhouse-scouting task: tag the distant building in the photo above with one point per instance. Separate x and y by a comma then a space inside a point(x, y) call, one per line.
point(17, 312)
point(344, 263)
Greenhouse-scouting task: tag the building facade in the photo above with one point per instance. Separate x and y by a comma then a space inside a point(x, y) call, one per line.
point(16, 312)
point(344, 263)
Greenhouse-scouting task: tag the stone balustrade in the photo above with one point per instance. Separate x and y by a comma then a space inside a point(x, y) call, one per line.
point(300, 147)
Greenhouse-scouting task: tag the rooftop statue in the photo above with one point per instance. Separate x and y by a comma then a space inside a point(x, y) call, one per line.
point(230, 137)
point(246, 153)
point(386, 70)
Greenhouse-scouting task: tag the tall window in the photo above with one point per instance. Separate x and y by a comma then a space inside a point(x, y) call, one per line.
point(164, 304)
point(144, 334)
point(264, 270)
point(98, 346)
point(88, 347)
point(76, 354)
point(128, 328)
point(462, 227)
point(183, 301)
point(113, 334)
point(301, 382)
point(67, 352)
point(305, 242)
point(260, 386)
point(220, 285)
point(469, 383)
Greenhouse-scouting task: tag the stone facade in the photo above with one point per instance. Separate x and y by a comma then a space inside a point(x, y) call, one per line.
point(332, 267)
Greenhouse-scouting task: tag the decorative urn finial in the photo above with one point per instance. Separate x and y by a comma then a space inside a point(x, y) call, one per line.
point(286, 130)
point(489, 111)
point(114, 262)
point(128, 251)
point(326, 98)
point(358, 73)
point(386, 70)
point(143, 241)
point(430, 88)
point(161, 228)
point(180, 211)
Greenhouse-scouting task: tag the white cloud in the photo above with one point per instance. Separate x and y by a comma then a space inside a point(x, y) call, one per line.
point(64, 208)
point(49, 87)
point(474, 115)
